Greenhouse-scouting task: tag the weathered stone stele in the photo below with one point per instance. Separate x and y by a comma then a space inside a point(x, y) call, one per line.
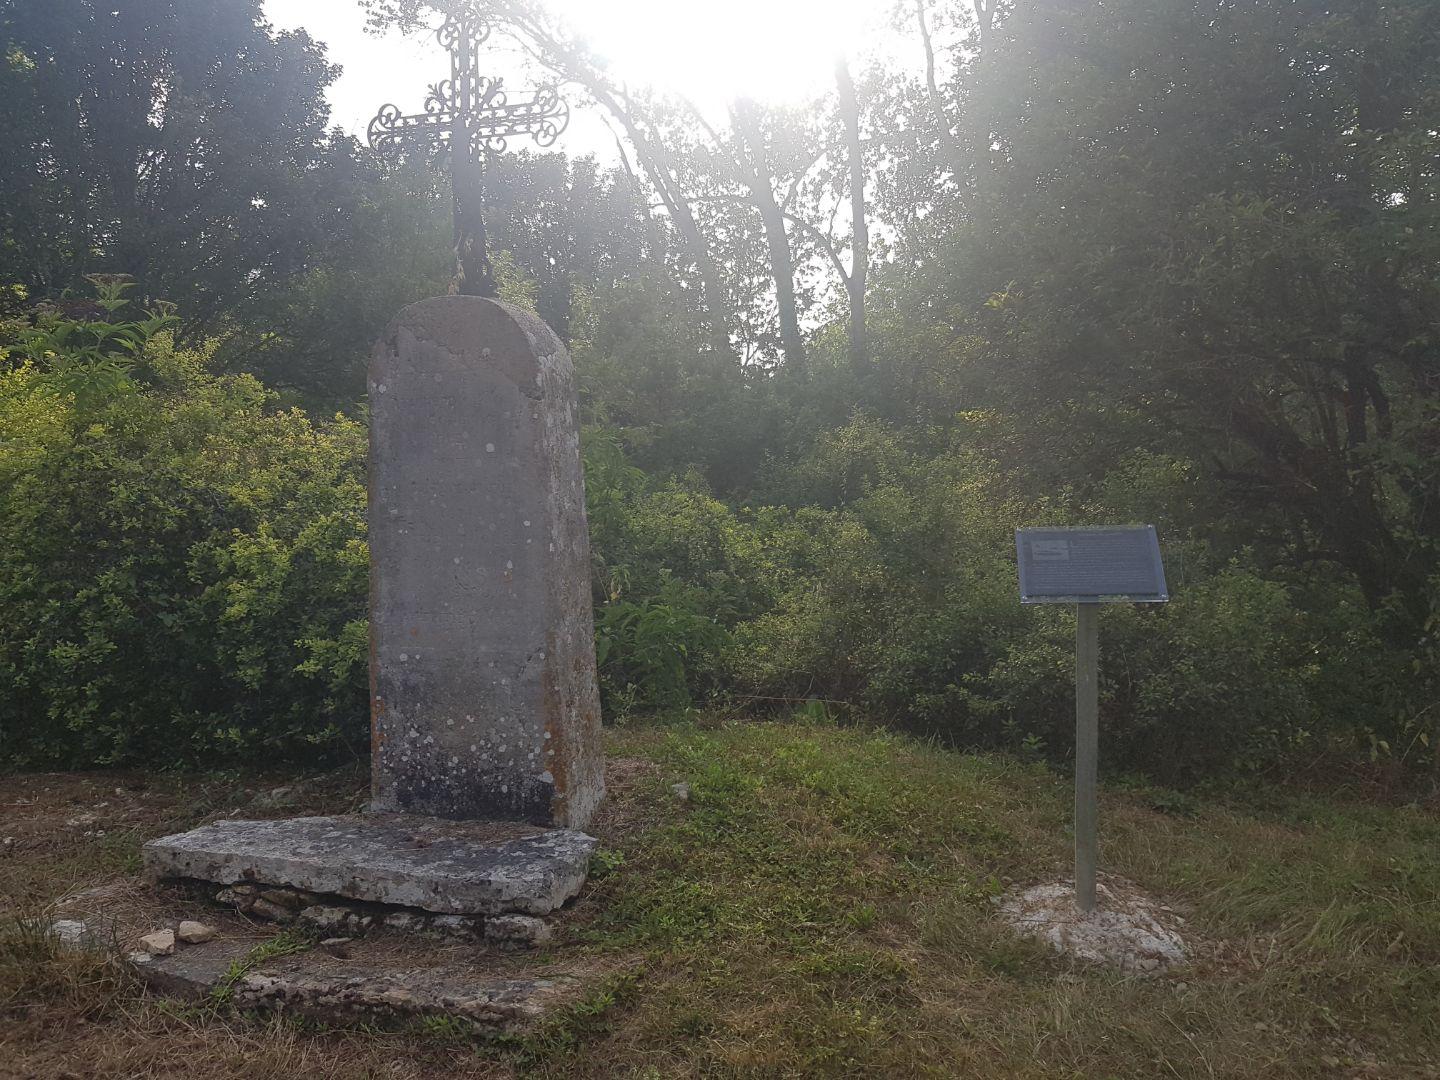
point(483, 690)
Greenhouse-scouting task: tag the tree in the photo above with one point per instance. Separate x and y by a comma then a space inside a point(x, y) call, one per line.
point(756, 170)
point(569, 224)
point(941, 114)
point(860, 231)
point(1219, 232)
point(181, 144)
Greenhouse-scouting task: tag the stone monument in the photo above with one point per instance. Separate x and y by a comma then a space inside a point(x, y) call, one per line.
point(484, 704)
point(481, 636)
point(485, 708)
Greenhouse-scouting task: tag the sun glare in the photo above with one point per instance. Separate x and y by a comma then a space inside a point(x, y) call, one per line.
point(776, 51)
point(773, 50)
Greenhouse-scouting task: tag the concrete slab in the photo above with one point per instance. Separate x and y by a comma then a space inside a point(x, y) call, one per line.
point(384, 991)
point(378, 985)
point(448, 867)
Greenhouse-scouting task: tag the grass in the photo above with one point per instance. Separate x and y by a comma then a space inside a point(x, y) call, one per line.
point(822, 905)
point(285, 943)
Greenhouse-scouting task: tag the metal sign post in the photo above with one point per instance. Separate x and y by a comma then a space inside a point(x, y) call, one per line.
point(1088, 567)
point(1087, 749)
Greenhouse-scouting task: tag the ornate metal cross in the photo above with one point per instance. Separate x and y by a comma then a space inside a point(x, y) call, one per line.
point(470, 115)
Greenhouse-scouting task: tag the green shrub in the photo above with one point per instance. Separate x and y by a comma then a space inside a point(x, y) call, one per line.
point(904, 603)
point(650, 650)
point(673, 571)
point(1223, 676)
point(182, 567)
point(183, 574)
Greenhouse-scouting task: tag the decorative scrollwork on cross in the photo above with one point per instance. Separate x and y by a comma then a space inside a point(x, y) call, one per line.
point(471, 116)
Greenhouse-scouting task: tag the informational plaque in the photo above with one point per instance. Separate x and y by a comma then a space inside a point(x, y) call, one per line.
point(1089, 565)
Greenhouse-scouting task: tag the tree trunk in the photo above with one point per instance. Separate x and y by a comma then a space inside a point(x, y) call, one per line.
point(654, 158)
point(860, 229)
point(757, 177)
point(984, 20)
point(570, 61)
point(949, 145)
point(654, 241)
point(984, 166)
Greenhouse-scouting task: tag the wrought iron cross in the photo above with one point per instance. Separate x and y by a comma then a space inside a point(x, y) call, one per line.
point(470, 115)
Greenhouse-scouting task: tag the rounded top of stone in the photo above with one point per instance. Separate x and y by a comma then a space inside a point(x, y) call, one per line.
point(473, 330)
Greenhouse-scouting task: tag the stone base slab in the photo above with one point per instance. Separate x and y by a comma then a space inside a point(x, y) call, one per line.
point(446, 867)
point(383, 993)
point(401, 972)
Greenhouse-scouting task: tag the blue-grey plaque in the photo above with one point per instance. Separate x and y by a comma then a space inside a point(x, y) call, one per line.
point(1088, 565)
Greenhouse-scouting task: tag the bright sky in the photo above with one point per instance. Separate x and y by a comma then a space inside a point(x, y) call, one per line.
point(773, 50)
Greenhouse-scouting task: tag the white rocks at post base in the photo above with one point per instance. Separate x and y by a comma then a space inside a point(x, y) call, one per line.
point(1126, 929)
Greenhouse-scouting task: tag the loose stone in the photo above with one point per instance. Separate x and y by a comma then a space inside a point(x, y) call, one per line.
point(70, 932)
point(518, 931)
point(193, 933)
point(159, 943)
point(456, 926)
point(268, 909)
point(326, 919)
point(293, 899)
point(407, 921)
point(241, 899)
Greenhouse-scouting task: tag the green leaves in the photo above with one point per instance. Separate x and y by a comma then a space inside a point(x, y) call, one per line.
point(186, 148)
point(647, 650)
point(90, 360)
point(182, 565)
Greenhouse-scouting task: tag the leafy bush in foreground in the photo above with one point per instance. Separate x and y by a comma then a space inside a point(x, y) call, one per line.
point(182, 566)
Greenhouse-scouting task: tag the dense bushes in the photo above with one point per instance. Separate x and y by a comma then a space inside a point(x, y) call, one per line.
point(1220, 320)
point(182, 566)
point(901, 603)
point(183, 579)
